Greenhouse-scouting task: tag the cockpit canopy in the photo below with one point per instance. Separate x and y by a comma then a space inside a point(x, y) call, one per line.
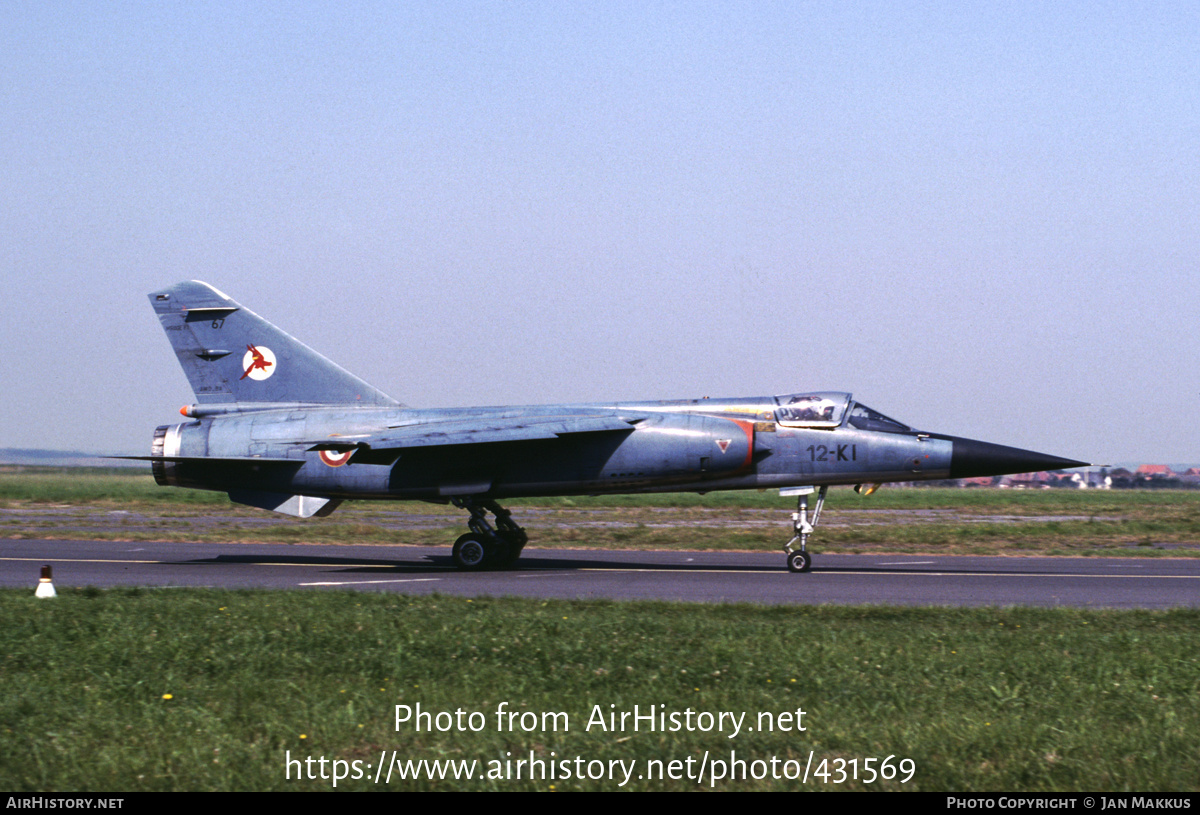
point(811, 409)
point(864, 418)
point(828, 409)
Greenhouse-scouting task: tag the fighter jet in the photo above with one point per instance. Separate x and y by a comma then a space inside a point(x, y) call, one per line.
point(280, 427)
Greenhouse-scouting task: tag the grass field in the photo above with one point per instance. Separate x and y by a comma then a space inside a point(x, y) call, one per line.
point(119, 505)
point(129, 690)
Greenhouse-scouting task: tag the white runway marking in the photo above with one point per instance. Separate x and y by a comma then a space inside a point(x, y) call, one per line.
point(372, 582)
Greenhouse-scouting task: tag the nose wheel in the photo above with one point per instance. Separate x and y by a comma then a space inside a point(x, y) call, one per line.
point(799, 562)
point(799, 559)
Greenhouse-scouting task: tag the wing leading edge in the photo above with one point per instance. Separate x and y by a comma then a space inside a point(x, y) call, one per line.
point(385, 447)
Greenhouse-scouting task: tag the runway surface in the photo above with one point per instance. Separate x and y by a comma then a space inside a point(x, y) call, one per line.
point(703, 577)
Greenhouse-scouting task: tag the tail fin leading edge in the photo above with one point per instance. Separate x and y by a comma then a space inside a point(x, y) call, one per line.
point(230, 354)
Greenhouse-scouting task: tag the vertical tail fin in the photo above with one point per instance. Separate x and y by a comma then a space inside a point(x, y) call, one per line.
point(230, 354)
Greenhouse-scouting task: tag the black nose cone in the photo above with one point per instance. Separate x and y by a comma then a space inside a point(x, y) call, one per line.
point(971, 458)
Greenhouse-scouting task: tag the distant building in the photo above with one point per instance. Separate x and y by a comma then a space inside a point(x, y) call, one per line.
point(1028, 481)
point(1077, 481)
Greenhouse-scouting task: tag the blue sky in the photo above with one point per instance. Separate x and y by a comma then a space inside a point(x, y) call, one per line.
point(983, 219)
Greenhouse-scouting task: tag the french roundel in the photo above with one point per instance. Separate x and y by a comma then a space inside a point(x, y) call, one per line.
point(335, 458)
point(258, 363)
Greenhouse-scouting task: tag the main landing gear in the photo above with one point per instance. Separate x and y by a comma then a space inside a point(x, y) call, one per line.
point(485, 547)
point(799, 560)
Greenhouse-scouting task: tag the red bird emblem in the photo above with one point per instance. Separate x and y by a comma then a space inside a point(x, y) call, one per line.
point(259, 363)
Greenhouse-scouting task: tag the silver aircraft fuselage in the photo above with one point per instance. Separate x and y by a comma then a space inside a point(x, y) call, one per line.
point(696, 445)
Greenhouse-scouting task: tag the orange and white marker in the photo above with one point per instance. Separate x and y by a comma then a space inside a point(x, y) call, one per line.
point(45, 585)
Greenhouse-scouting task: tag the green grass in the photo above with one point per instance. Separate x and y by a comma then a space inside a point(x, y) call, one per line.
point(93, 486)
point(179, 689)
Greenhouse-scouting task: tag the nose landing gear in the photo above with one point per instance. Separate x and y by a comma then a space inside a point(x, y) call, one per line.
point(799, 560)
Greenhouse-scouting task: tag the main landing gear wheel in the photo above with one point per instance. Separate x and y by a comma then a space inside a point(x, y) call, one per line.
point(470, 554)
point(507, 549)
point(799, 562)
point(485, 546)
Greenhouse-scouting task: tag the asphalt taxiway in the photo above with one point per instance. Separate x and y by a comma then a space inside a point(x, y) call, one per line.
point(703, 577)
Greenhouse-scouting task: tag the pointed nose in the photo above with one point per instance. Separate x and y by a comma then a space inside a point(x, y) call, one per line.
point(970, 458)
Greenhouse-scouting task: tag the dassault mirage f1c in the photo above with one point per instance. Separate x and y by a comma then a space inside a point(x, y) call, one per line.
point(278, 426)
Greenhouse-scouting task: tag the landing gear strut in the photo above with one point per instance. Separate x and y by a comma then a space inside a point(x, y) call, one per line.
point(485, 546)
point(799, 560)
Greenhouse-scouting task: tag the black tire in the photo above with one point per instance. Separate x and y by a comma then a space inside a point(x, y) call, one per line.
point(498, 553)
point(507, 550)
point(799, 562)
point(470, 554)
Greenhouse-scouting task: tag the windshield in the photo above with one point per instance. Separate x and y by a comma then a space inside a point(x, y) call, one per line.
point(811, 409)
point(864, 418)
